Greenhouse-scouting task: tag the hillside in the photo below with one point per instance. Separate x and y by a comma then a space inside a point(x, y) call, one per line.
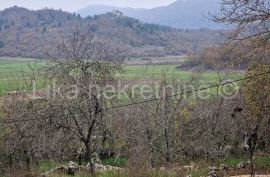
point(27, 33)
point(98, 9)
point(187, 14)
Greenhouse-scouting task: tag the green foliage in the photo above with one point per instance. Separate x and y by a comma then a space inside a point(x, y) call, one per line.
point(46, 165)
point(198, 173)
point(259, 161)
point(257, 90)
point(263, 161)
point(233, 161)
point(115, 161)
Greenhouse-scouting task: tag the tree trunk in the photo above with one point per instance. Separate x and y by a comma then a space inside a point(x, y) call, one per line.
point(10, 160)
point(168, 154)
point(252, 163)
point(88, 155)
point(80, 158)
point(27, 160)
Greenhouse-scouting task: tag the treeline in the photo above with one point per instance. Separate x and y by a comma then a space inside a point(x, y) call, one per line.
point(231, 55)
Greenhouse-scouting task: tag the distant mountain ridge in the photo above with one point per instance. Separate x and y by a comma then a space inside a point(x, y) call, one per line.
point(187, 14)
point(28, 33)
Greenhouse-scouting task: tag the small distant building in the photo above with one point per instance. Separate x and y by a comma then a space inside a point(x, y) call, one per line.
point(117, 13)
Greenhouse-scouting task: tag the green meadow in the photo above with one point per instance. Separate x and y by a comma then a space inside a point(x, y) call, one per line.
point(171, 71)
point(14, 73)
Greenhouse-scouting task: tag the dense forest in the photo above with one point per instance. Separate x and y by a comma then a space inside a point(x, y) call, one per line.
point(26, 33)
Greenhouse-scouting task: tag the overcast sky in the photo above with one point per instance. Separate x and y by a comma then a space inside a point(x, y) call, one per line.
point(74, 5)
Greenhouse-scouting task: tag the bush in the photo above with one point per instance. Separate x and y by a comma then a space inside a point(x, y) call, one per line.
point(46, 165)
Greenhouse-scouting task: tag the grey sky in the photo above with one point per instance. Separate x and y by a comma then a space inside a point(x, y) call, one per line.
point(73, 5)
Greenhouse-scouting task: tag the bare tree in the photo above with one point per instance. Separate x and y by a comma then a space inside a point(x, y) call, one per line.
point(251, 22)
point(83, 66)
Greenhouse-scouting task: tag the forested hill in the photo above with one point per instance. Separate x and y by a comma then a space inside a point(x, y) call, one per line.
point(27, 33)
point(191, 14)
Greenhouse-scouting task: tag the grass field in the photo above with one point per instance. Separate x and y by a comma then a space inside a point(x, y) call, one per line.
point(13, 71)
point(156, 71)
